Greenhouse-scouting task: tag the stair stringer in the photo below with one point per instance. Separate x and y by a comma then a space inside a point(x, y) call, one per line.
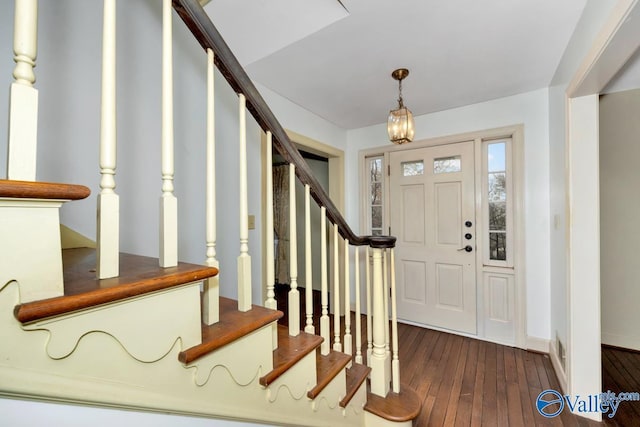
point(147, 326)
point(100, 371)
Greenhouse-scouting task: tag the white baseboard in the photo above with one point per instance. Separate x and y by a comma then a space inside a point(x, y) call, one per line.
point(557, 367)
point(539, 345)
point(623, 341)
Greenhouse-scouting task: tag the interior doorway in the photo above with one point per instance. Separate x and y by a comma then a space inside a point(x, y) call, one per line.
point(329, 161)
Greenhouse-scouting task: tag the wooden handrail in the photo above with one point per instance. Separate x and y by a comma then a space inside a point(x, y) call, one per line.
point(208, 36)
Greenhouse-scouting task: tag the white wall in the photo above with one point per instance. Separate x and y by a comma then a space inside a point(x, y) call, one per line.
point(530, 109)
point(619, 213)
point(590, 22)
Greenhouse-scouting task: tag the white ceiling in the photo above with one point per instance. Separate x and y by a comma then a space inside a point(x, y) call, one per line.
point(338, 65)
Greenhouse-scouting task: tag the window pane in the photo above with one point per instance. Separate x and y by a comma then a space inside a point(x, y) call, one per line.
point(497, 157)
point(376, 217)
point(376, 193)
point(376, 170)
point(376, 232)
point(497, 216)
point(498, 246)
point(446, 165)
point(413, 168)
point(497, 187)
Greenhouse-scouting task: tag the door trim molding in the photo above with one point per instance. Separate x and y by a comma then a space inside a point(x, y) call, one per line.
point(516, 133)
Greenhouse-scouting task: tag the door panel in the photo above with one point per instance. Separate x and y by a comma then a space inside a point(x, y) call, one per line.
point(432, 196)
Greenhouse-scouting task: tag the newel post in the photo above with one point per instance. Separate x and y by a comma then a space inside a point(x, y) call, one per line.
point(379, 374)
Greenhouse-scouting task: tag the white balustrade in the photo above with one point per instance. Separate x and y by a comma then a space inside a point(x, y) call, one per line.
point(211, 297)
point(307, 258)
point(348, 339)
point(294, 294)
point(379, 373)
point(337, 346)
point(358, 311)
point(395, 364)
point(23, 99)
point(108, 229)
point(324, 290)
point(168, 201)
point(244, 260)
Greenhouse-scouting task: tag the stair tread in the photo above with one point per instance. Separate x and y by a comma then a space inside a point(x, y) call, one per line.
point(289, 352)
point(42, 190)
point(138, 275)
point(327, 367)
point(396, 407)
point(233, 324)
point(356, 375)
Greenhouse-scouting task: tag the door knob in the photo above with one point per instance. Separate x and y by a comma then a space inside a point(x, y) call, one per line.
point(468, 236)
point(468, 224)
point(467, 248)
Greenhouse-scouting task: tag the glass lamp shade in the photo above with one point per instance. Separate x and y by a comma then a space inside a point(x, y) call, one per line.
point(400, 125)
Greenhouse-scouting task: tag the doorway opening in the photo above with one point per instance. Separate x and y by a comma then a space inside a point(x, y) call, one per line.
point(327, 164)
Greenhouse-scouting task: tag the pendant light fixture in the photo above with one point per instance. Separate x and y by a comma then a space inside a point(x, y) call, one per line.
point(400, 123)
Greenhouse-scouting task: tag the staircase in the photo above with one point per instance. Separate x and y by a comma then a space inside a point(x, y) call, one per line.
point(105, 328)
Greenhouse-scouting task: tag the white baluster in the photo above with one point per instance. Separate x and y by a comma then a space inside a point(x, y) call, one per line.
point(308, 268)
point(337, 346)
point(387, 342)
point(168, 202)
point(270, 257)
point(23, 99)
point(348, 339)
point(379, 373)
point(108, 230)
point(367, 280)
point(294, 294)
point(244, 260)
point(211, 297)
point(324, 318)
point(358, 311)
point(395, 364)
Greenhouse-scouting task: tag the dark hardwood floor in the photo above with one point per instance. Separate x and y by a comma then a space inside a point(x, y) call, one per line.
point(468, 382)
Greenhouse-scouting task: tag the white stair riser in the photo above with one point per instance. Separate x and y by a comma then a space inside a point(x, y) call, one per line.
point(246, 359)
point(30, 252)
point(297, 381)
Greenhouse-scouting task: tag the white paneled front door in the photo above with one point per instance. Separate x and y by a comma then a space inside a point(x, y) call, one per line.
point(432, 213)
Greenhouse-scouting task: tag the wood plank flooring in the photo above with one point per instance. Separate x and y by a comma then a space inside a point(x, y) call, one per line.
point(468, 382)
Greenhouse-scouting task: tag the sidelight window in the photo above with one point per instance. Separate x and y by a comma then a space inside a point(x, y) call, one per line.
point(375, 166)
point(498, 202)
